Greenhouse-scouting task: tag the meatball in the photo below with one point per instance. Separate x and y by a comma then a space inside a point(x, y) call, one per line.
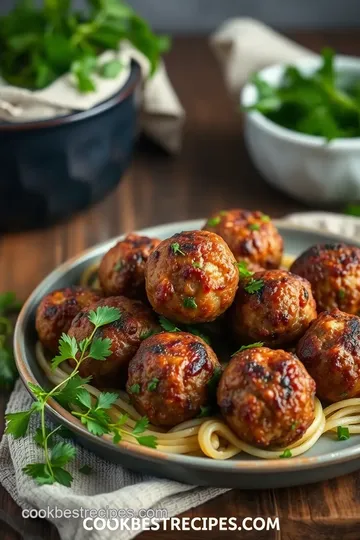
point(56, 311)
point(191, 277)
point(136, 323)
point(169, 375)
point(330, 351)
point(334, 273)
point(121, 271)
point(274, 307)
point(267, 397)
point(251, 236)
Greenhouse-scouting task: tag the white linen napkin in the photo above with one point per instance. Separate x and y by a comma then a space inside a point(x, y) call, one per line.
point(162, 113)
point(244, 46)
point(110, 484)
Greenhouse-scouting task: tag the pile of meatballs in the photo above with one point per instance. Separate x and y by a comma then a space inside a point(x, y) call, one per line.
point(228, 273)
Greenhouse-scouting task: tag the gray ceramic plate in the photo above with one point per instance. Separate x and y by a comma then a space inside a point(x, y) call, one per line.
point(327, 459)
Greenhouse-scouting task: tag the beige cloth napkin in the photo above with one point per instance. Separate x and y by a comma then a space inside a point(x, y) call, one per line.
point(162, 113)
point(111, 484)
point(244, 46)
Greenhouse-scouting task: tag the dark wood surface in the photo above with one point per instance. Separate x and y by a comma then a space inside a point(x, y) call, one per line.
point(212, 172)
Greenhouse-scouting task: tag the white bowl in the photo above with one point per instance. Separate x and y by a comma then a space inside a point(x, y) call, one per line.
point(307, 167)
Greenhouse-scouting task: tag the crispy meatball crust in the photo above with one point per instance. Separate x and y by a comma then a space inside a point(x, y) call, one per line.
point(267, 397)
point(278, 313)
point(56, 311)
point(191, 277)
point(135, 324)
point(168, 377)
point(251, 236)
point(121, 271)
point(330, 351)
point(334, 273)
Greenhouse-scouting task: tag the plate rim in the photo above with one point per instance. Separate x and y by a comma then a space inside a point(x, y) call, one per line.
point(206, 464)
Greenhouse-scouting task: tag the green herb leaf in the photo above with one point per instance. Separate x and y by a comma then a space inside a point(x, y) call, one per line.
point(265, 218)
point(62, 453)
point(254, 226)
point(110, 70)
point(244, 272)
point(106, 400)
point(212, 222)
point(70, 390)
point(197, 332)
point(17, 423)
point(254, 285)
point(175, 246)
point(94, 427)
point(147, 440)
point(147, 333)
point(140, 426)
point(62, 476)
point(352, 210)
point(8, 371)
point(167, 325)
point(68, 348)
point(343, 433)
point(189, 302)
point(84, 397)
point(196, 265)
point(100, 349)
point(104, 315)
point(85, 469)
point(152, 385)
point(135, 388)
point(40, 473)
point(286, 454)
point(251, 346)
point(205, 411)
point(117, 436)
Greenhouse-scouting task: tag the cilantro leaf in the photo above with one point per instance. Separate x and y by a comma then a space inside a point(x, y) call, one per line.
point(205, 411)
point(135, 388)
point(39, 439)
point(62, 453)
point(189, 302)
point(110, 70)
point(254, 285)
point(147, 333)
point(17, 423)
point(100, 349)
point(106, 400)
point(94, 427)
point(117, 436)
point(175, 246)
point(244, 272)
point(8, 371)
point(62, 476)
point(37, 390)
point(104, 315)
point(68, 348)
point(85, 469)
point(141, 425)
point(69, 391)
point(147, 440)
point(251, 346)
point(39, 472)
point(167, 325)
point(152, 385)
point(196, 332)
point(84, 397)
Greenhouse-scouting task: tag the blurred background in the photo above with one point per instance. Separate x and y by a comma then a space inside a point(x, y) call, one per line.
point(194, 16)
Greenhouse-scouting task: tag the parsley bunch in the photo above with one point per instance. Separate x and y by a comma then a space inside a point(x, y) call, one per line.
point(71, 393)
point(8, 371)
point(38, 45)
point(324, 104)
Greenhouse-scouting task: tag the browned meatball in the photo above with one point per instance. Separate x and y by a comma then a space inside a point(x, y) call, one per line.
point(334, 273)
point(136, 323)
point(251, 236)
point(273, 306)
point(169, 375)
point(330, 351)
point(56, 311)
point(121, 270)
point(191, 277)
point(267, 397)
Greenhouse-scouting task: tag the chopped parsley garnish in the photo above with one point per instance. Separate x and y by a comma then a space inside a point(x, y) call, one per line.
point(212, 222)
point(343, 433)
point(254, 286)
point(167, 325)
point(147, 333)
point(286, 454)
point(254, 227)
point(118, 266)
point(152, 385)
point(251, 346)
point(223, 213)
point(135, 388)
point(293, 426)
point(196, 265)
point(205, 411)
point(189, 302)
point(85, 469)
point(265, 218)
point(244, 272)
point(175, 246)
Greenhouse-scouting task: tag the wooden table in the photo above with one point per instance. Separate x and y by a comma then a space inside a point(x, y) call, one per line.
point(212, 172)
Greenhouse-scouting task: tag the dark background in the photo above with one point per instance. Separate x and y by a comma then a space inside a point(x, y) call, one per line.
point(194, 16)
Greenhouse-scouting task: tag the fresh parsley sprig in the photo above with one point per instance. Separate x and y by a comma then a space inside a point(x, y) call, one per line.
point(8, 371)
point(72, 393)
point(251, 346)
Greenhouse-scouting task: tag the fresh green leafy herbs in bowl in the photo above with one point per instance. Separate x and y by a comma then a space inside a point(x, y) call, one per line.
point(324, 102)
point(39, 45)
point(302, 127)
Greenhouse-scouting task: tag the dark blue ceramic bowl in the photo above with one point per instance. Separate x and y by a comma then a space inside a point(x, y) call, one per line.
point(51, 169)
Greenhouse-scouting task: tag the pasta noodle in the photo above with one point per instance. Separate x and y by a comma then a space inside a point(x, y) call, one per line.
point(210, 436)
